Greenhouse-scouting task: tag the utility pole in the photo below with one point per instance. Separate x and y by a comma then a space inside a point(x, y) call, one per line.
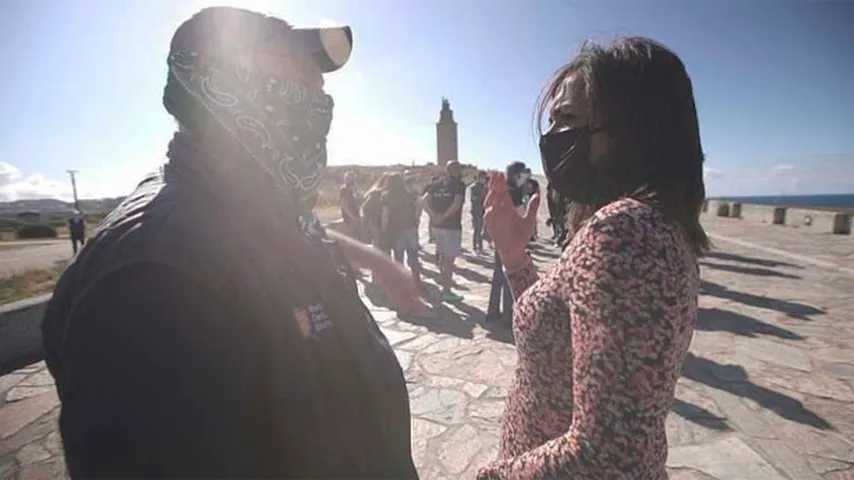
point(74, 188)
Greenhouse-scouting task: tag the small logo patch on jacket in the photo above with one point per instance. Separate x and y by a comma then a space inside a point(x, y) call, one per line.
point(312, 319)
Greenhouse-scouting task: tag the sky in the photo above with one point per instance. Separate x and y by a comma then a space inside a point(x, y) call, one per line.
point(773, 82)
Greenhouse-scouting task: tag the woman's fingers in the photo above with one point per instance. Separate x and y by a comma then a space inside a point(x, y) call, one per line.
point(533, 206)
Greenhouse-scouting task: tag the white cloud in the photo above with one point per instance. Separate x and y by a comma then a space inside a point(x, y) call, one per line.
point(710, 172)
point(8, 173)
point(16, 186)
point(783, 168)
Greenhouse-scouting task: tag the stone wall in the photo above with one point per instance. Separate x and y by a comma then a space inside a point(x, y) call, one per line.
point(763, 214)
point(717, 208)
point(819, 220)
point(21, 333)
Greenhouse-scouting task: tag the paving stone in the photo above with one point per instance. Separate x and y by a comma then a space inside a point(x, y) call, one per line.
point(41, 471)
point(53, 443)
point(688, 474)
point(404, 358)
point(773, 352)
point(474, 390)
point(396, 337)
point(32, 432)
point(824, 466)
point(726, 459)
point(39, 379)
point(15, 416)
point(9, 381)
point(491, 411)
point(491, 366)
point(8, 468)
point(785, 459)
point(32, 453)
point(739, 415)
point(459, 447)
point(420, 343)
point(422, 432)
point(439, 404)
point(20, 392)
point(841, 370)
point(34, 368)
point(840, 475)
point(817, 385)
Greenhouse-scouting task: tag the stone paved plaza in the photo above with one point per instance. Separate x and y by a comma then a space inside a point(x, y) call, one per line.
point(767, 390)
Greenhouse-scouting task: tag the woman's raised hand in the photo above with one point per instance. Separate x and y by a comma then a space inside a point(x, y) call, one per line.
point(509, 230)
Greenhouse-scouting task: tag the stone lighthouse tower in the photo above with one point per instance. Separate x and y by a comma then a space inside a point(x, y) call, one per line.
point(446, 135)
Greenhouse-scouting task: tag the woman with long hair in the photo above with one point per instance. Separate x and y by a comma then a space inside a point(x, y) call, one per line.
point(602, 336)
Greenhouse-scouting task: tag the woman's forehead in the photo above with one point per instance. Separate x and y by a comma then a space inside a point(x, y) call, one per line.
point(570, 93)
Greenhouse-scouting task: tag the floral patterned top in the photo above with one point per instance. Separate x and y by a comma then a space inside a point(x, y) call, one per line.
point(601, 339)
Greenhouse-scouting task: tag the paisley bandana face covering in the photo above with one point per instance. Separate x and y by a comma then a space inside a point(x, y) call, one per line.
point(280, 123)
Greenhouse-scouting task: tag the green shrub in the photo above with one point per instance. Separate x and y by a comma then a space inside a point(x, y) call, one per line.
point(36, 231)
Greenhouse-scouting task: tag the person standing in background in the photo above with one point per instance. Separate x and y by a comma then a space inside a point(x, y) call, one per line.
point(77, 230)
point(532, 187)
point(398, 224)
point(477, 194)
point(500, 296)
point(372, 214)
point(433, 181)
point(348, 199)
point(557, 214)
point(445, 206)
point(410, 180)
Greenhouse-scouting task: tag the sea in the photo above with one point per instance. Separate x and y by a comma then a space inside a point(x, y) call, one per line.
point(843, 202)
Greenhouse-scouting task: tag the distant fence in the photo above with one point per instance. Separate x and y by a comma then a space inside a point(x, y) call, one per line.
point(823, 221)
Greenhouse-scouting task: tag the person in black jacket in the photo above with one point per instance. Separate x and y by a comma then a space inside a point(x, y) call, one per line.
point(212, 328)
point(77, 230)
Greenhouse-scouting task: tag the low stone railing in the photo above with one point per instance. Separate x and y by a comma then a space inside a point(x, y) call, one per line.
point(824, 221)
point(21, 333)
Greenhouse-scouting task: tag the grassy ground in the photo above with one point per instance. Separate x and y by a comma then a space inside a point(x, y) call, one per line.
point(30, 284)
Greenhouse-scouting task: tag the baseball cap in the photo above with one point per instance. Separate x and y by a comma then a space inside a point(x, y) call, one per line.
point(225, 31)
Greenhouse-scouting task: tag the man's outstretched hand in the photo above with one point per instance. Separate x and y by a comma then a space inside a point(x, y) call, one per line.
point(396, 281)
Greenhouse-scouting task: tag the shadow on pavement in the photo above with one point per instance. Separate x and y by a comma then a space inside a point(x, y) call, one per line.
point(699, 415)
point(733, 379)
point(717, 320)
point(456, 319)
point(472, 275)
point(758, 271)
point(793, 309)
point(752, 260)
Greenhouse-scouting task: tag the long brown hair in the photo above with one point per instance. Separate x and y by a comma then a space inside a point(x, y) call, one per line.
point(643, 92)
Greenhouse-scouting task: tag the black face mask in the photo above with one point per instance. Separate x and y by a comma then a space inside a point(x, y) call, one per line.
point(566, 163)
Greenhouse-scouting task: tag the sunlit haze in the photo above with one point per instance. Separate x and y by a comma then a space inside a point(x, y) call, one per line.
point(83, 84)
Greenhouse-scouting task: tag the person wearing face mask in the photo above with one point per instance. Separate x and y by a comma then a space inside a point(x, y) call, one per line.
point(246, 356)
point(602, 336)
point(500, 306)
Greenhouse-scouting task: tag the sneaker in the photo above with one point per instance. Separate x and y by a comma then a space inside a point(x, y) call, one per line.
point(449, 296)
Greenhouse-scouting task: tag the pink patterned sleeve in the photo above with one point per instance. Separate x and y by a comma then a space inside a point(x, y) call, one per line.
point(522, 278)
point(606, 275)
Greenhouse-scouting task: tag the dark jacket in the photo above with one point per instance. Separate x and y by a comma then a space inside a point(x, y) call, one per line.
point(184, 343)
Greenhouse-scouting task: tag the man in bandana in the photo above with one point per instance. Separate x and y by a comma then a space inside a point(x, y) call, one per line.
point(213, 328)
